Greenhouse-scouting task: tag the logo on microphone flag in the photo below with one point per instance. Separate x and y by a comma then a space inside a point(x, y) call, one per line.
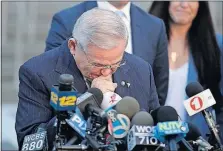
point(120, 124)
point(199, 102)
point(110, 99)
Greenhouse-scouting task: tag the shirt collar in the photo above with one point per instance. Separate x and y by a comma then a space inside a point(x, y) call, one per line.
point(106, 5)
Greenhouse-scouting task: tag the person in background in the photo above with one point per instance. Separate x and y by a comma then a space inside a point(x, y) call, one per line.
point(194, 54)
point(147, 35)
point(95, 56)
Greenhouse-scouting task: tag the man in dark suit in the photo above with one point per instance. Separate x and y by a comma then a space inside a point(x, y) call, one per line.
point(147, 36)
point(96, 53)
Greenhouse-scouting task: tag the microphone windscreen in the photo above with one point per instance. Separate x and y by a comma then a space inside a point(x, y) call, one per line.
point(193, 88)
point(142, 118)
point(193, 133)
point(164, 114)
point(66, 79)
point(128, 106)
point(97, 94)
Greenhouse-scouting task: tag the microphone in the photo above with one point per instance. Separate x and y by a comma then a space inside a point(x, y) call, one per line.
point(121, 115)
point(78, 123)
point(63, 96)
point(142, 118)
point(141, 135)
point(193, 133)
point(119, 124)
point(199, 101)
point(93, 96)
point(87, 103)
point(169, 130)
point(63, 99)
point(164, 114)
point(127, 106)
point(36, 141)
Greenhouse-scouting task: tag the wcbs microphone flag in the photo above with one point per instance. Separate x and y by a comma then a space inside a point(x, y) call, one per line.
point(34, 141)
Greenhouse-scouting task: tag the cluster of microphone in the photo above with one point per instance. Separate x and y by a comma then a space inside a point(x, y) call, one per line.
point(109, 122)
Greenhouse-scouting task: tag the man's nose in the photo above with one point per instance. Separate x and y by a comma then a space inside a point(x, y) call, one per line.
point(106, 72)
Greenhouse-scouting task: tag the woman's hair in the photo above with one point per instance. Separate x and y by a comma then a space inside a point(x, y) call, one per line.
point(202, 41)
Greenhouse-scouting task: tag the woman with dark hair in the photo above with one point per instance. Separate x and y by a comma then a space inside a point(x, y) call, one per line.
point(194, 53)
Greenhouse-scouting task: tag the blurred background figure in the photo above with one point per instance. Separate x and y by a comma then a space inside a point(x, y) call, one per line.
point(194, 53)
point(25, 26)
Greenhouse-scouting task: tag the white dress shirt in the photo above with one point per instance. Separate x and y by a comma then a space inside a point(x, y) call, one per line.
point(125, 15)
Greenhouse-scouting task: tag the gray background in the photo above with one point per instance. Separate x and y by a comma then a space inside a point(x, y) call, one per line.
point(25, 26)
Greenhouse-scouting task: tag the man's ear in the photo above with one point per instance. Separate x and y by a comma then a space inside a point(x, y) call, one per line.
point(72, 44)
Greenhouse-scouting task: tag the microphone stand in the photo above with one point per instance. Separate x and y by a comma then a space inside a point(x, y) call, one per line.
point(213, 127)
point(60, 138)
point(202, 144)
point(187, 145)
point(173, 146)
point(90, 132)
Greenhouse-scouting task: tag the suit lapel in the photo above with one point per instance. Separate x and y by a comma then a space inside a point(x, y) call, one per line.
point(66, 64)
point(121, 75)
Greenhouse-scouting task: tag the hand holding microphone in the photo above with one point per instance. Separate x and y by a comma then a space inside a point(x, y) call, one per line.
point(105, 84)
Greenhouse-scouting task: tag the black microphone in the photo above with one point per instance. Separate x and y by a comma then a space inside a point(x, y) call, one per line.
point(63, 99)
point(193, 133)
point(87, 104)
point(77, 120)
point(141, 136)
point(92, 97)
point(164, 114)
point(199, 101)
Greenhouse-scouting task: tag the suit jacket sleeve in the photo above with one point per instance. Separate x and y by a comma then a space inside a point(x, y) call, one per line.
point(219, 115)
point(58, 33)
point(161, 66)
point(219, 38)
point(34, 109)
